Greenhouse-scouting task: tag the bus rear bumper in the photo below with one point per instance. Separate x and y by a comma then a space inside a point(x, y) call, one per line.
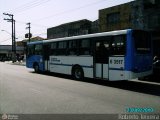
point(132, 75)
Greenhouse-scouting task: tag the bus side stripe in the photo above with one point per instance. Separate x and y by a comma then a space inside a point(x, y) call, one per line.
point(71, 65)
point(116, 69)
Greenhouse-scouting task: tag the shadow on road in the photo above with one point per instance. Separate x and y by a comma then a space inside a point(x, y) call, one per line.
point(140, 86)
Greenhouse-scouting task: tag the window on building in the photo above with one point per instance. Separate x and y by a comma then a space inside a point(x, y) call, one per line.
point(74, 32)
point(113, 18)
point(154, 21)
point(149, 4)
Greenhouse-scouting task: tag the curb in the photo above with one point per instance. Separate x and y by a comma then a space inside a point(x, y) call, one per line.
point(16, 63)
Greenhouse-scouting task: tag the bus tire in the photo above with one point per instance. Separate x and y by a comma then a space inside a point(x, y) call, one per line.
point(36, 68)
point(77, 72)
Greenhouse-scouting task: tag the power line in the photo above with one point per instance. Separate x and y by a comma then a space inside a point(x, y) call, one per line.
point(5, 40)
point(28, 6)
point(70, 10)
point(57, 14)
point(24, 5)
point(40, 34)
point(33, 24)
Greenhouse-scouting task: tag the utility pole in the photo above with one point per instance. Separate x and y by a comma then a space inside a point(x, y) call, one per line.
point(14, 41)
point(29, 34)
point(13, 35)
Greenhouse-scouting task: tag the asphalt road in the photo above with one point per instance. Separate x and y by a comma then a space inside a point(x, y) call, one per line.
point(24, 92)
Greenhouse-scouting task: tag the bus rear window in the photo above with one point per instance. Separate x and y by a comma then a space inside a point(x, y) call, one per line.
point(142, 41)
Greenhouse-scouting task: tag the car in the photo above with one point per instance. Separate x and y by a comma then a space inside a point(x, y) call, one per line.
point(155, 76)
point(156, 69)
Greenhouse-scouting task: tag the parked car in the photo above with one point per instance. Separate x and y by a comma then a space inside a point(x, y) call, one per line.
point(156, 69)
point(155, 77)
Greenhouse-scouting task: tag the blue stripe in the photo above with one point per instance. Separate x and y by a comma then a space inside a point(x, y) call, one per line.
point(60, 64)
point(116, 69)
point(70, 65)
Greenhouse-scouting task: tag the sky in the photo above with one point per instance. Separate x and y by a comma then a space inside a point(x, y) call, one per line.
point(43, 14)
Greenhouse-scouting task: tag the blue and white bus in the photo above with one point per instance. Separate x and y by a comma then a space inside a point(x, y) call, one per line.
point(115, 55)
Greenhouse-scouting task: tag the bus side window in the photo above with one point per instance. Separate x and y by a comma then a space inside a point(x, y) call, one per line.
point(118, 45)
point(85, 47)
point(72, 48)
point(30, 50)
point(53, 50)
point(62, 48)
point(38, 49)
point(102, 51)
point(46, 51)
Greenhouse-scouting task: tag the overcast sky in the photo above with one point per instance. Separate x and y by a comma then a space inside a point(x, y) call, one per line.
point(43, 14)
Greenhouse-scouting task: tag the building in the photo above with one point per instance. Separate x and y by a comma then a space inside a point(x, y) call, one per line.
point(80, 27)
point(115, 18)
point(6, 52)
point(139, 14)
point(147, 14)
point(23, 43)
point(95, 26)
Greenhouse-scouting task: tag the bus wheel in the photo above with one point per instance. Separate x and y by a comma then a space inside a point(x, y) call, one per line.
point(77, 73)
point(36, 68)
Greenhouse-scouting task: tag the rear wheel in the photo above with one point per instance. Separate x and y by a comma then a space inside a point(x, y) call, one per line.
point(77, 73)
point(36, 68)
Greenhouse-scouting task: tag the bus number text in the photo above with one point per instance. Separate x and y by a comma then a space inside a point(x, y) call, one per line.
point(118, 61)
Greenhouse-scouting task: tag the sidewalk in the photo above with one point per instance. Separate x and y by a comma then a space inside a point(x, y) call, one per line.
point(23, 63)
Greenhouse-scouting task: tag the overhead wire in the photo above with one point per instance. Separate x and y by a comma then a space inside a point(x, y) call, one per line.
point(70, 10)
point(36, 3)
point(5, 40)
point(22, 22)
point(28, 6)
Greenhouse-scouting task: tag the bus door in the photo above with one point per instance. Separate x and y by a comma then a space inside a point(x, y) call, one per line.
point(117, 57)
point(101, 59)
point(46, 56)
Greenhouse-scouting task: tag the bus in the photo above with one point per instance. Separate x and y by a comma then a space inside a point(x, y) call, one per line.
point(115, 55)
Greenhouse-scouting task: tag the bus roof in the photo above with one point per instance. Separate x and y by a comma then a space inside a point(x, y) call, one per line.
point(118, 32)
point(36, 42)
